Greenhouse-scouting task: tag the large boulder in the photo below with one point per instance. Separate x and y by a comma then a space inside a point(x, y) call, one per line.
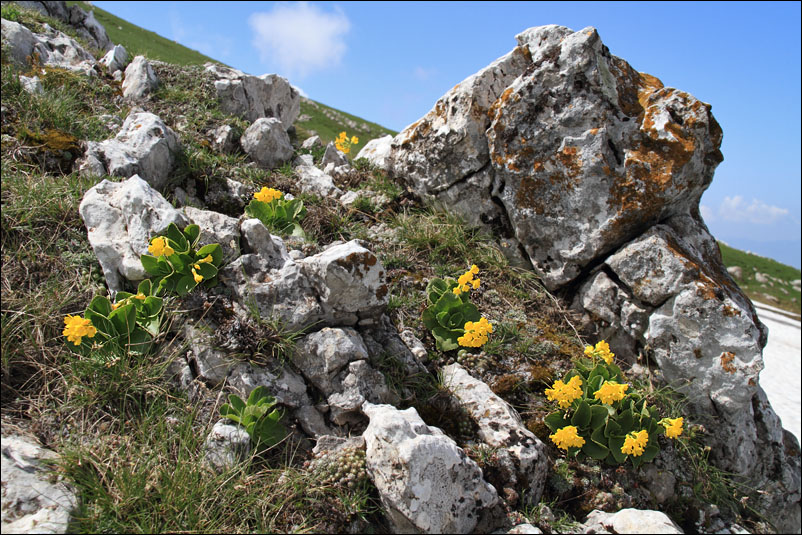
point(115, 59)
point(254, 97)
point(34, 499)
point(144, 146)
point(629, 521)
point(426, 483)
point(267, 143)
point(53, 48)
point(120, 219)
point(84, 23)
point(596, 171)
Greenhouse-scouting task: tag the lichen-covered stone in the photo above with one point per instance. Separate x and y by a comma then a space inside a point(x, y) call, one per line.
point(254, 97)
point(267, 143)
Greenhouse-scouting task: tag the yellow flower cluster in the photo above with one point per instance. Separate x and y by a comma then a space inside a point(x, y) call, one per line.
point(344, 144)
point(602, 350)
point(610, 391)
point(76, 327)
point(267, 194)
point(475, 333)
point(673, 426)
point(567, 437)
point(158, 247)
point(635, 443)
point(197, 276)
point(565, 393)
point(466, 281)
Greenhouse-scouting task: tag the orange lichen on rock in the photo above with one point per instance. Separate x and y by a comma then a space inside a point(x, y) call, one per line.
point(726, 361)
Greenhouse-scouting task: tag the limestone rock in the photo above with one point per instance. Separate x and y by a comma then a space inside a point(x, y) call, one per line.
point(224, 139)
point(32, 501)
point(31, 84)
point(84, 23)
point(144, 146)
point(349, 280)
point(216, 228)
point(257, 239)
point(629, 521)
point(323, 354)
point(252, 97)
point(377, 151)
point(334, 156)
point(140, 80)
point(267, 143)
point(212, 363)
point(312, 143)
point(426, 483)
point(521, 452)
point(115, 59)
point(227, 445)
point(313, 180)
point(54, 48)
point(360, 382)
point(735, 272)
point(120, 219)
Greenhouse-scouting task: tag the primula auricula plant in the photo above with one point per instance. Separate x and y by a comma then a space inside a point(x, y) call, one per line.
point(601, 417)
point(129, 324)
point(344, 144)
point(256, 416)
point(276, 212)
point(451, 317)
point(175, 264)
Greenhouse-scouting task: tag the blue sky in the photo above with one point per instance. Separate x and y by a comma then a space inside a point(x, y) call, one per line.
point(388, 62)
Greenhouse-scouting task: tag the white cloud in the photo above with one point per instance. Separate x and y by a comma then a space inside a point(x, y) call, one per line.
point(707, 213)
point(300, 37)
point(423, 74)
point(757, 212)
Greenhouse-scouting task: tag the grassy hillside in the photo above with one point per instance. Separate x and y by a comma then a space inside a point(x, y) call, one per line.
point(315, 117)
point(777, 289)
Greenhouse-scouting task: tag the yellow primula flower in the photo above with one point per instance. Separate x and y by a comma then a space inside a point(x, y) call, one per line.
point(466, 281)
point(140, 296)
point(474, 269)
point(611, 391)
point(602, 350)
point(475, 333)
point(159, 247)
point(673, 426)
point(197, 276)
point(567, 437)
point(206, 260)
point(565, 393)
point(267, 194)
point(635, 443)
point(76, 327)
point(354, 140)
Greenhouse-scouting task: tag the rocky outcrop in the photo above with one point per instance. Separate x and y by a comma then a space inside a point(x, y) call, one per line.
point(426, 483)
point(593, 172)
point(254, 97)
point(52, 48)
point(144, 146)
point(629, 521)
point(33, 500)
point(377, 150)
point(140, 80)
point(115, 59)
point(120, 219)
point(84, 23)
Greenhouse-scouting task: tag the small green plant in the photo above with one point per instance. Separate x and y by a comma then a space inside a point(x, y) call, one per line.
point(255, 416)
point(176, 266)
point(131, 323)
point(451, 317)
point(11, 13)
point(599, 419)
point(276, 213)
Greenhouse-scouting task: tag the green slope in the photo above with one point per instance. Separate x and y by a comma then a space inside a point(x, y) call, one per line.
point(777, 291)
point(326, 121)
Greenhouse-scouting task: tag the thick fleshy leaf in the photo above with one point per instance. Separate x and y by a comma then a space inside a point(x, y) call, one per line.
point(581, 417)
point(428, 319)
point(649, 453)
point(436, 288)
point(615, 444)
point(192, 232)
point(598, 414)
point(236, 403)
point(612, 429)
point(140, 341)
point(626, 421)
point(185, 284)
point(101, 305)
point(124, 319)
point(151, 264)
point(555, 421)
point(179, 241)
point(446, 339)
point(595, 451)
point(211, 249)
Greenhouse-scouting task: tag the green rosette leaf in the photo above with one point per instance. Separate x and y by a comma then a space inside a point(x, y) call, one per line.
point(192, 233)
point(213, 249)
point(555, 421)
point(581, 418)
point(124, 319)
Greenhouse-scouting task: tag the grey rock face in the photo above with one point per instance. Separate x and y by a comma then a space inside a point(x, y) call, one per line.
point(349, 280)
point(521, 452)
point(257, 239)
point(216, 228)
point(629, 521)
point(144, 146)
point(312, 142)
point(426, 483)
point(252, 97)
point(323, 354)
point(85, 23)
point(31, 84)
point(54, 48)
point(31, 501)
point(115, 59)
point(140, 80)
point(224, 139)
point(227, 445)
point(377, 151)
point(267, 143)
point(120, 218)
point(313, 180)
point(333, 156)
